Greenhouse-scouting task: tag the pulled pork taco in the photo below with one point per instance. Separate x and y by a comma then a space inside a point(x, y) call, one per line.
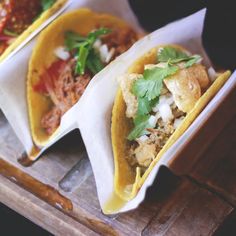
point(68, 54)
point(160, 96)
point(19, 18)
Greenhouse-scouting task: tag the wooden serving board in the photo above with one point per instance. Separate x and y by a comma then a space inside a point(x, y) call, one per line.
point(58, 192)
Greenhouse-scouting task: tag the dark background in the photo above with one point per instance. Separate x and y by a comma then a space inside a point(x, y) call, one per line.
point(219, 34)
point(12, 223)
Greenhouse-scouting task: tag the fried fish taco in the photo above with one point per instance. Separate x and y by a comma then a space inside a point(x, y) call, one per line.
point(68, 54)
point(19, 18)
point(159, 97)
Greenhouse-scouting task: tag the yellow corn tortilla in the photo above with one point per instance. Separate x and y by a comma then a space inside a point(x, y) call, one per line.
point(128, 181)
point(44, 16)
point(82, 21)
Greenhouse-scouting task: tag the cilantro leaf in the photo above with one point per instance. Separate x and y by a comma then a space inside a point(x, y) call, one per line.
point(139, 88)
point(193, 60)
point(86, 57)
point(145, 106)
point(148, 90)
point(171, 54)
point(155, 78)
point(152, 82)
point(73, 40)
point(82, 56)
point(94, 62)
point(46, 4)
point(10, 33)
point(141, 124)
point(97, 33)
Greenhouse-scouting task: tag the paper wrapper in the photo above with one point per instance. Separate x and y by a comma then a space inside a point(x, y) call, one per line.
point(92, 114)
point(14, 72)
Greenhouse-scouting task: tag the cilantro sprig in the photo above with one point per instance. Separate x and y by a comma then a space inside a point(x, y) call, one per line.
point(151, 84)
point(141, 124)
point(148, 88)
point(9, 33)
point(172, 55)
point(86, 56)
point(46, 4)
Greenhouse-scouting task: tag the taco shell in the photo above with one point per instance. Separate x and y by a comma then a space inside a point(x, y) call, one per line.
point(127, 180)
point(81, 21)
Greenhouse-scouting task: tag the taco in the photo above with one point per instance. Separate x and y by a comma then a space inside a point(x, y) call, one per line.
point(68, 54)
point(159, 97)
point(19, 18)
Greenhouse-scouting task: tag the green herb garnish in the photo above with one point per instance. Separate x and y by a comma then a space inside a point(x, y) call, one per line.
point(150, 85)
point(94, 63)
point(148, 88)
point(172, 56)
point(73, 40)
point(141, 124)
point(145, 105)
point(194, 59)
point(86, 56)
point(10, 33)
point(46, 4)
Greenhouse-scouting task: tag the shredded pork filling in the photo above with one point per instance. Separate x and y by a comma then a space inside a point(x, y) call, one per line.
point(68, 88)
point(65, 93)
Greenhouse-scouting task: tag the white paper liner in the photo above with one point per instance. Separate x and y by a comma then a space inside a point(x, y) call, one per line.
point(92, 114)
point(14, 72)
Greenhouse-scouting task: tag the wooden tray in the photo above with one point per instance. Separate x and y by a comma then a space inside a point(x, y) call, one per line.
point(200, 202)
